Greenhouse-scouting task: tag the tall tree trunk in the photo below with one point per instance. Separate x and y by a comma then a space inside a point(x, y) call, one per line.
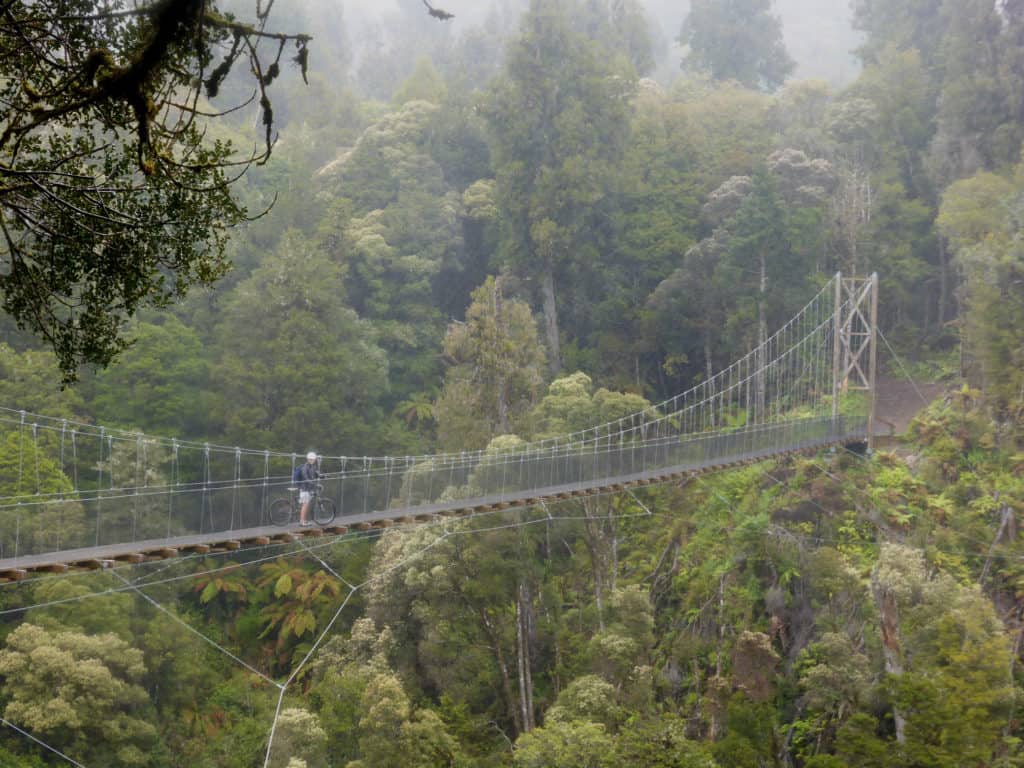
point(523, 656)
point(547, 288)
point(506, 681)
point(891, 652)
point(715, 710)
point(594, 539)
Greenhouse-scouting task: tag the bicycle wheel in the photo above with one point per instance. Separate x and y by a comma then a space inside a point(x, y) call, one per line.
point(281, 511)
point(323, 510)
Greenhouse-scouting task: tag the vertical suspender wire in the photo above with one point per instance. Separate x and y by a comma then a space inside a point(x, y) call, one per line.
point(173, 483)
point(17, 523)
point(234, 491)
point(135, 492)
point(389, 468)
point(746, 395)
point(35, 452)
point(266, 480)
point(782, 394)
point(206, 486)
point(99, 486)
point(367, 468)
point(60, 519)
point(430, 483)
point(341, 489)
point(74, 457)
point(21, 439)
point(63, 433)
point(780, 374)
point(411, 479)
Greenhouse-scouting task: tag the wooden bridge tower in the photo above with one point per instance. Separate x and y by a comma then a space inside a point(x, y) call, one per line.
point(854, 353)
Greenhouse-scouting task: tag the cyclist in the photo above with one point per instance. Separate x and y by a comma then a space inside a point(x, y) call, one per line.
point(306, 477)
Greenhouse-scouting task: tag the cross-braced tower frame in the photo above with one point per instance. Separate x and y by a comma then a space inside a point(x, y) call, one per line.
point(855, 350)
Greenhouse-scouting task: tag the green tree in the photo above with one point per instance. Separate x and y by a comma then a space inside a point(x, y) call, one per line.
point(30, 380)
point(559, 118)
point(982, 218)
point(659, 742)
point(297, 367)
point(81, 693)
point(393, 733)
point(299, 737)
point(736, 40)
point(574, 744)
point(946, 661)
point(40, 512)
point(158, 384)
point(496, 373)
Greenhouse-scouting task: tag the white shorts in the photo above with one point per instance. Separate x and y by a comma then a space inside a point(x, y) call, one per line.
point(304, 497)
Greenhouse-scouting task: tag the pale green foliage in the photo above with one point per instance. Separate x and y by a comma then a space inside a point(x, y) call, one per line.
point(342, 671)
point(614, 654)
point(571, 405)
point(659, 742)
point(497, 370)
point(956, 660)
point(975, 209)
point(834, 675)
point(573, 744)
point(78, 691)
point(299, 737)
point(30, 473)
point(478, 200)
point(391, 733)
point(590, 698)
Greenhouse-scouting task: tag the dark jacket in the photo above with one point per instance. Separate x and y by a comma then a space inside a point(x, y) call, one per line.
point(308, 475)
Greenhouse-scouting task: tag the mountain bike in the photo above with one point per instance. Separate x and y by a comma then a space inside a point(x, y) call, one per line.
point(286, 509)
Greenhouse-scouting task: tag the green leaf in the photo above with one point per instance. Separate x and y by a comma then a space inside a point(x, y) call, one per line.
point(209, 593)
point(283, 585)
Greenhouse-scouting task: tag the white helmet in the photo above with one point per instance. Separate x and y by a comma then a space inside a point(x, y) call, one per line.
point(311, 456)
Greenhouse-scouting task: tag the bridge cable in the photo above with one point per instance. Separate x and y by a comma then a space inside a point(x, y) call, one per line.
point(40, 742)
point(903, 367)
point(135, 588)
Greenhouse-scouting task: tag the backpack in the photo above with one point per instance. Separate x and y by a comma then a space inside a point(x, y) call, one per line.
point(297, 474)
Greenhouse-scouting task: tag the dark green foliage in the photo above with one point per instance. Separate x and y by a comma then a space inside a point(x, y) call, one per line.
point(111, 196)
point(736, 40)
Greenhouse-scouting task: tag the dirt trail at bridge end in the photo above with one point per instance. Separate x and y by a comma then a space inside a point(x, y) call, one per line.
point(898, 401)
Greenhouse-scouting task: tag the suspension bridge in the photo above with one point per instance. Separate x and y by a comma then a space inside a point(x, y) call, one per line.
point(87, 496)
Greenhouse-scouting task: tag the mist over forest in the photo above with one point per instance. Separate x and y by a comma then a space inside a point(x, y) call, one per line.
point(819, 36)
